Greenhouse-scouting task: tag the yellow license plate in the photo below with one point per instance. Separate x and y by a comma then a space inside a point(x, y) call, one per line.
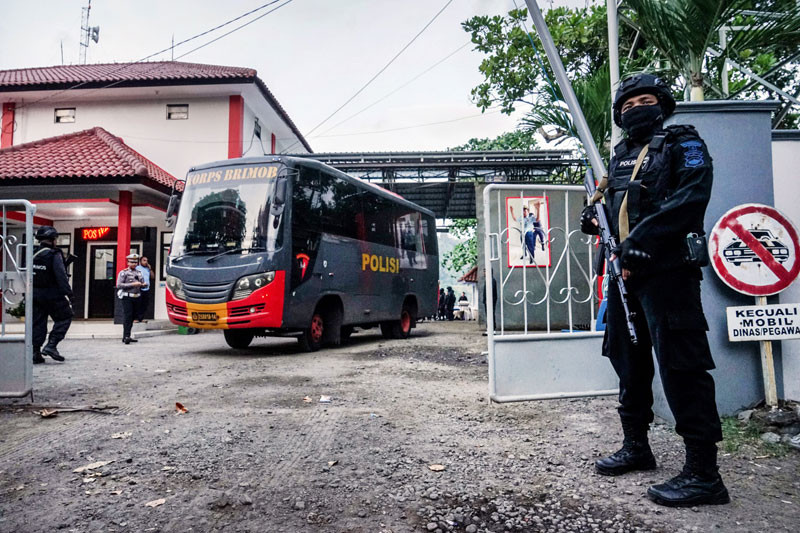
point(197, 317)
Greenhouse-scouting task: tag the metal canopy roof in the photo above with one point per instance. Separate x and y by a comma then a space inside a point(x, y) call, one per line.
point(444, 182)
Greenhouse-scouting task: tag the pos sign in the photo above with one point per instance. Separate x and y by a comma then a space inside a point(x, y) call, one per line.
point(755, 250)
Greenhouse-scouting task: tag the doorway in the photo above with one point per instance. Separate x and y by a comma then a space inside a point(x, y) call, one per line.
point(102, 277)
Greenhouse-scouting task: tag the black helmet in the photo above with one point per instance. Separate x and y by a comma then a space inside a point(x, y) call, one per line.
point(46, 233)
point(642, 84)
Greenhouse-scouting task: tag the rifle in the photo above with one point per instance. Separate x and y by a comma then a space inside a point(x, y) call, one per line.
point(607, 244)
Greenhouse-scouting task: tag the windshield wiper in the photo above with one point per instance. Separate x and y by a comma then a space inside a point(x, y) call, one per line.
point(192, 252)
point(235, 250)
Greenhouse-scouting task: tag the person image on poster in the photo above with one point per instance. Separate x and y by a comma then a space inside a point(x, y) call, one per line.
point(531, 230)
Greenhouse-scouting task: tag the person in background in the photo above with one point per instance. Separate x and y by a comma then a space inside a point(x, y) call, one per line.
point(129, 287)
point(52, 296)
point(144, 296)
point(442, 310)
point(463, 305)
point(450, 302)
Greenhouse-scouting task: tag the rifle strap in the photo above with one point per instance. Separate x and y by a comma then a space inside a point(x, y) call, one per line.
point(624, 225)
point(600, 190)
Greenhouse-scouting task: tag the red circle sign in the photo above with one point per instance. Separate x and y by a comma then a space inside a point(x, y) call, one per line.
point(755, 250)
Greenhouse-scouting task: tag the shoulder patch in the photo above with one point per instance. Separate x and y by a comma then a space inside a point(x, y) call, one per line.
point(693, 155)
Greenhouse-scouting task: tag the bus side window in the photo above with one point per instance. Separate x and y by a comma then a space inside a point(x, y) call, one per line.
point(429, 235)
point(340, 207)
point(306, 224)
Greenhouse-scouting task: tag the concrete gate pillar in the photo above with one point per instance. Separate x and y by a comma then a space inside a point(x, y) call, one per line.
point(738, 135)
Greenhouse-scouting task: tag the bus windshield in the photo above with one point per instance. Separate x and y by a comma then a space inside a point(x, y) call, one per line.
point(227, 210)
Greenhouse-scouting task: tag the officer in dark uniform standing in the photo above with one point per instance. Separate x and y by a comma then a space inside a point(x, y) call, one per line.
point(52, 296)
point(659, 184)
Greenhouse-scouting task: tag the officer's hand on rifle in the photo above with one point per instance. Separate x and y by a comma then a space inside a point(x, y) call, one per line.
point(589, 224)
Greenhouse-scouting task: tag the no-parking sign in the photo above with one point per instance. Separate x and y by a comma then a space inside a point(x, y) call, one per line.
point(755, 250)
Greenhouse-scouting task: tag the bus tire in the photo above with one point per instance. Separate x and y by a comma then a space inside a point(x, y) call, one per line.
point(311, 339)
point(402, 327)
point(399, 329)
point(238, 338)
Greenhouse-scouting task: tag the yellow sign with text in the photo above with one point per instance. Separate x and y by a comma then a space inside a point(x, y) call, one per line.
point(380, 263)
point(233, 174)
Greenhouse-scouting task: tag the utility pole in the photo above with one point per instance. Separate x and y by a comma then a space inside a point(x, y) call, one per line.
point(566, 89)
point(613, 61)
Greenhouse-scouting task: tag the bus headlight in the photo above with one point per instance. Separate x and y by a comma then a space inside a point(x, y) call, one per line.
point(176, 286)
point(249, 284)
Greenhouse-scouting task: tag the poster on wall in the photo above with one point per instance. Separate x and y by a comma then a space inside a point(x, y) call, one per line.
point(528, 224)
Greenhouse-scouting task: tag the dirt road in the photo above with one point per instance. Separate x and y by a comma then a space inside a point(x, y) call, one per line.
point(258, 451)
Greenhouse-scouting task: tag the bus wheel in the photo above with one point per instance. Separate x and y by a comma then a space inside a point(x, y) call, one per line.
point(238, 338)
point(311, 339)
point(398, 329)
point(402, 328)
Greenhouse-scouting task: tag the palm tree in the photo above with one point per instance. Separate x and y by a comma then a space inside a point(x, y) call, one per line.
point(593, 92)
point(683, 30)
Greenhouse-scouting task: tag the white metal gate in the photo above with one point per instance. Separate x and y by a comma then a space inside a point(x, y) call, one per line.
point(544, 344)
point(16, 284)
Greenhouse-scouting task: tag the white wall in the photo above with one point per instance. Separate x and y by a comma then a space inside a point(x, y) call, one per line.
point(271, 123)
point(174, 145)
point(786, 175)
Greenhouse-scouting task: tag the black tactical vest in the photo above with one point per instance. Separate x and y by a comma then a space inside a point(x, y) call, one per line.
point(45, 284)
point(652, 185)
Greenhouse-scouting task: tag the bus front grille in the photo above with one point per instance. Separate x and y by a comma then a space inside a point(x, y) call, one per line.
point(207, 293)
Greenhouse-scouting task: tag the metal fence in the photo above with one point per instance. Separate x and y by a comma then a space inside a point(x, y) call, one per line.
point(542, 332)
point(16, 283)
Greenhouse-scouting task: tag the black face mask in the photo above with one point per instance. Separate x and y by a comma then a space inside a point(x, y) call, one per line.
point(642, 121)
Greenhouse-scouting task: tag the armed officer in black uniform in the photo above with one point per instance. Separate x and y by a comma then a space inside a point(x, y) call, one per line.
point(659, 184)
point(52, 296)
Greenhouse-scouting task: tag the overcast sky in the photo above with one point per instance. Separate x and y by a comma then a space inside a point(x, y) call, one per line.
point(313, 55)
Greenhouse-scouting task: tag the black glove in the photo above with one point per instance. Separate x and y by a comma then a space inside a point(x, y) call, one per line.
point(587, 226)
point(632, 258)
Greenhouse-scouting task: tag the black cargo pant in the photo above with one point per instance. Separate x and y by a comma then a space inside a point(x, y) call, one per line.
point(128, 312)
point(61, 313)
point(670, 319)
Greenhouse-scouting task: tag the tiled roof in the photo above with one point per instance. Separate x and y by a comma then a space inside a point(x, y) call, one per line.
point(93, 153)
point(120, 72)
point(143, 74)
point(471, 276)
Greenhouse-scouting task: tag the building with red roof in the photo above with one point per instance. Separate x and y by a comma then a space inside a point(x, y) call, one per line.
point(97, 149)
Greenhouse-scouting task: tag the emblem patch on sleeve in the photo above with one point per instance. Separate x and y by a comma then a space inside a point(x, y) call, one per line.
point(693, 154)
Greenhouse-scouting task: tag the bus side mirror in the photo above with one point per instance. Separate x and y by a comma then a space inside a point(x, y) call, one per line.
point(280, 197)
point(172, 208)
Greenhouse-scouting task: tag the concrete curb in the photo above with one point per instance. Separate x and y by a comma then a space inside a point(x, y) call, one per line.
point(135, 334)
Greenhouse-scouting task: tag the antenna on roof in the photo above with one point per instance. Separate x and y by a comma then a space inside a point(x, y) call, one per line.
point(172, 48)
point(87, 33)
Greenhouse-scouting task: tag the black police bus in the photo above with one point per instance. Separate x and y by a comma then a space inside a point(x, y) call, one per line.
point(289, 246)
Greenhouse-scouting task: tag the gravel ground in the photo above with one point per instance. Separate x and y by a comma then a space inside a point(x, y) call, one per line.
point(408, 442)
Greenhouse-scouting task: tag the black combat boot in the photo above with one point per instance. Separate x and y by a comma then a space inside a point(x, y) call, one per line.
point(51, 351)
point(37, 357)
point(634, 455)
point(698, 484)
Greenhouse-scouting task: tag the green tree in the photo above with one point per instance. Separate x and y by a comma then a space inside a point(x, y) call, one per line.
point(516, 72)
point(512, 140)
point(465, 254)
point(682, 31)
